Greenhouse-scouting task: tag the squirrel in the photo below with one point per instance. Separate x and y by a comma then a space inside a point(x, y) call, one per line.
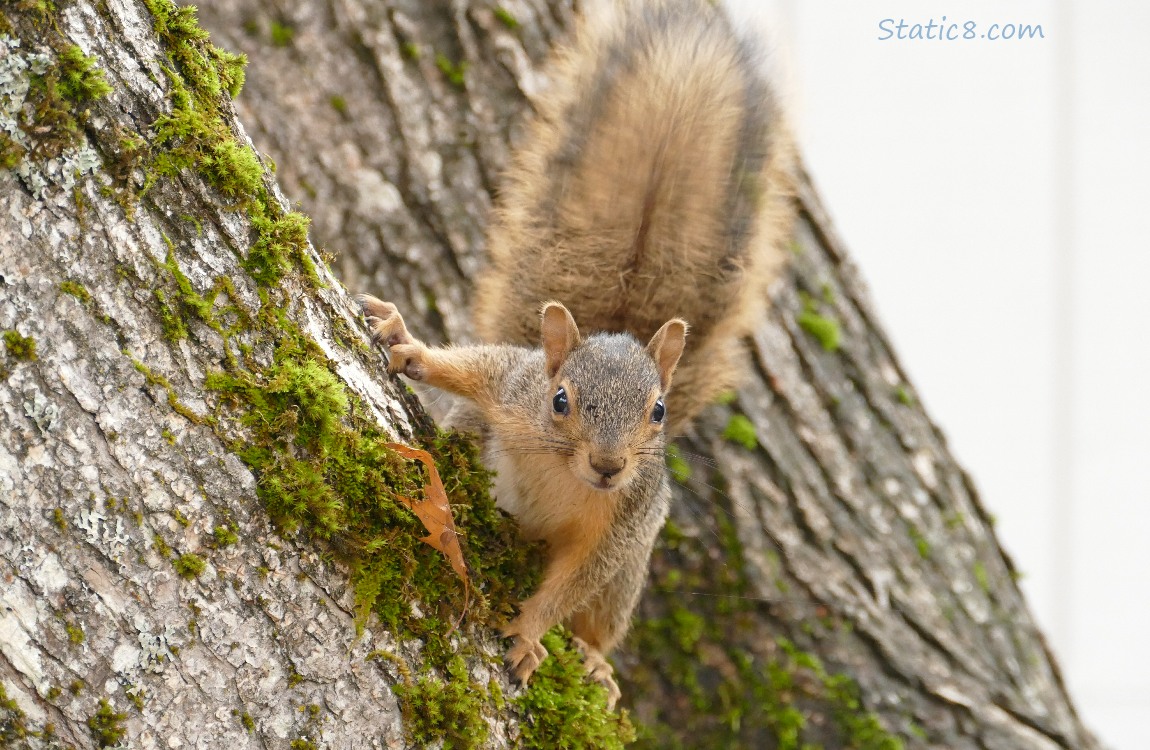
point(653, 187)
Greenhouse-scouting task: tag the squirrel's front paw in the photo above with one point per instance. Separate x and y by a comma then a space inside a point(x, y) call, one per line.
point(524, 657)
point(387, 327)
point(599, 670)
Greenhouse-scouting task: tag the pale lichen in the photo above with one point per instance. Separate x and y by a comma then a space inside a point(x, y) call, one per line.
point(23, 78)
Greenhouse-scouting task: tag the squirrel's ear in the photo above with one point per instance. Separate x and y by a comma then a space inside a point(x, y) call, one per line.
point(666, 346)
point(560, 336)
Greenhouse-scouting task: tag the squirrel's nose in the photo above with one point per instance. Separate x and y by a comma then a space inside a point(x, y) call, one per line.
point(608, 467)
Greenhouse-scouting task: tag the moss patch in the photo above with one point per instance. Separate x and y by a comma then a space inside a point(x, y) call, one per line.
point(223, 536)
point(563, 710)
point(736, 682)
point(20, 347)
point(454, 72)
point(13, 722)
point(447, 709)
point(189, 566)
point(679, 468)
point(49, 119)
point(741, 430)
point(77, 290)
point(282, 34)
point(823, 328)
point(106, 725)
point(77, 77)
point(506, 18)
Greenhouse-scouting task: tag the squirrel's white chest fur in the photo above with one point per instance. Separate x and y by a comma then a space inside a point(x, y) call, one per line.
point(544, 495)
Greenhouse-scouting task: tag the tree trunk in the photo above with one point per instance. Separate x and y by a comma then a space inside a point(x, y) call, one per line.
point(828, 576)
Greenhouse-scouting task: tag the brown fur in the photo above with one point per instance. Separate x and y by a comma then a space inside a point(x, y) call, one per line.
point(654, 182)
point(599, 531)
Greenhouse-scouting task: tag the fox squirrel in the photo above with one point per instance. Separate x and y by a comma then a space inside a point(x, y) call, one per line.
point(653, 188)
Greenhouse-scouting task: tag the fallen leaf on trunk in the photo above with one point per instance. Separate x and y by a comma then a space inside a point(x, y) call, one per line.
point(435, 513)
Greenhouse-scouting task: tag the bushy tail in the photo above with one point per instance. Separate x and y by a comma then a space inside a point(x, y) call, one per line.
point(654, 182)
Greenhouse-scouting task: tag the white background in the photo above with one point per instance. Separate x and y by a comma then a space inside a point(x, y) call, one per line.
point(997, 197)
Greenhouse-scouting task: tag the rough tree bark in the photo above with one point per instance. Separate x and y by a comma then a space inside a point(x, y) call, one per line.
point(829, 576)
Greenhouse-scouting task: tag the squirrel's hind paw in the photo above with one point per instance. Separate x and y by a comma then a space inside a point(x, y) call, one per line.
point(524, 657)
point(599, 670)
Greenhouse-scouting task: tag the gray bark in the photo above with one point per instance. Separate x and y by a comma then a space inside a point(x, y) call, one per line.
point(96, 466)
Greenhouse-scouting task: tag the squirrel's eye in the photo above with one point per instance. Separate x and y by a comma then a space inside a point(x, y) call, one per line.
point(658, 412)
point(559, 403)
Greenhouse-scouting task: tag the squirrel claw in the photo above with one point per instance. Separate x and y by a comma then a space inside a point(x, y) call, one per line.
point(384, 320)
point(599, 670)
point(524, 657)
point(387, 327)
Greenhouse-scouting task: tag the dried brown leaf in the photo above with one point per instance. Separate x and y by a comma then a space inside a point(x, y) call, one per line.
point(435, 513)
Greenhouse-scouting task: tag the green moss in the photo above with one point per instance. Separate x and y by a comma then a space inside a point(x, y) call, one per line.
point(902, 393)
point(303, 743)
point(78, 78)
point(741, 430)
point(75, 633)
point(280, 247)
point(920, 542)
point(54, 108)
point(862, 728)
point(194, 135)
point(737, 684)
point(563, 710)
point(823, 328)
point(338, 103)
point(75, 687)
point(454, 72)
point(282, 34)
point(11, 152)
point(410, 50)
point(154, 378)
point(106, 725)
point(59, 520)
point(162, 547)
point(189, 566)
point(981, 577)
point(246, 720)
point(506, 18)
point(20, 347)
point(447, 709)
point(680, 469)
point(210, 70)
point(77, 290)
point(726, 398)
point(496, 694)
point(13, 722)
point(222, 537)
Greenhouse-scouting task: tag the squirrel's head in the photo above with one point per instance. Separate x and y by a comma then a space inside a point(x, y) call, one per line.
point(607, 396)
